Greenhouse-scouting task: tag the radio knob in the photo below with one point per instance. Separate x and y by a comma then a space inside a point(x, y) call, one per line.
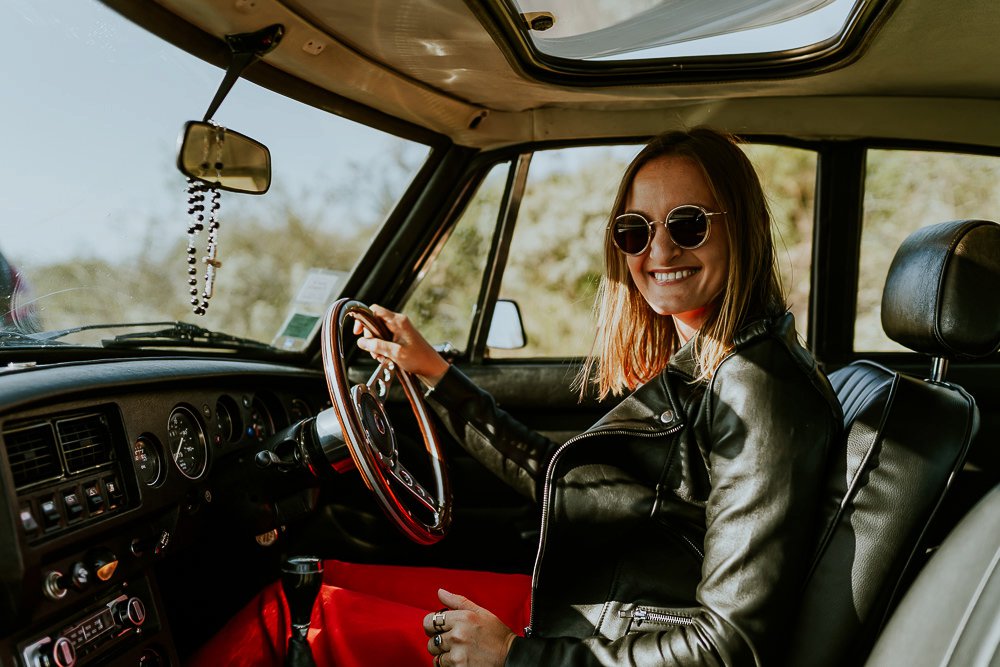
point(60, 654)
point(130, 613)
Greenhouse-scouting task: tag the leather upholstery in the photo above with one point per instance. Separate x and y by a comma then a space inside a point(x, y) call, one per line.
point(941, 295)
point(906, 438)
point(951, 614)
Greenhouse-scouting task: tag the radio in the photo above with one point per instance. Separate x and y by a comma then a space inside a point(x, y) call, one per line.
point(121, 617)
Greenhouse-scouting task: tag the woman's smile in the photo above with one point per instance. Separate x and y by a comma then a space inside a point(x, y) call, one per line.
point(671, 276)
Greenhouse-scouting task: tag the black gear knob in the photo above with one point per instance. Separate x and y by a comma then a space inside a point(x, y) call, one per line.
point(301, 577)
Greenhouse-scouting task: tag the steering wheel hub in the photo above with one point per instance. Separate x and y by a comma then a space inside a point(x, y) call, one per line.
point(379, 434)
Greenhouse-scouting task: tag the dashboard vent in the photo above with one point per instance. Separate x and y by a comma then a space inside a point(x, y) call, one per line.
point(32, 454)
point(86, 442)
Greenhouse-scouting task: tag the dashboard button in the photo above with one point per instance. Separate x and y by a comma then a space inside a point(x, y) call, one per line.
point(74, 509)
point(115, 495)
point(50, 514)
point(95, 501)
point(28, 521)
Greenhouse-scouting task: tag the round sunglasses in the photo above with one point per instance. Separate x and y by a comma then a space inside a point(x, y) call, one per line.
point(689, 226)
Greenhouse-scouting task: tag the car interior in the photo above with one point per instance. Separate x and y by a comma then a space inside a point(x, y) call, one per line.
point(182, 413)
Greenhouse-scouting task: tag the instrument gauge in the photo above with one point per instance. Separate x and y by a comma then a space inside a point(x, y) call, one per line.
point(299, 410)
point(187, 443)
point(148, 460)
point(261, 424)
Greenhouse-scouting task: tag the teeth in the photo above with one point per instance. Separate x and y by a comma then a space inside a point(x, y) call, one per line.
point(666, 277)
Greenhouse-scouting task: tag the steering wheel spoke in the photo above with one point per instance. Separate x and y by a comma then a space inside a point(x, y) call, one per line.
point(381, 380)
point(422, 515)
point(410, 484)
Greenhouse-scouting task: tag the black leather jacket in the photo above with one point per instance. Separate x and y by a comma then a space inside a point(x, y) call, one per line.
point(679, 528)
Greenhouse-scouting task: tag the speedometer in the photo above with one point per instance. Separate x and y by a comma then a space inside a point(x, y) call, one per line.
point(186, 441)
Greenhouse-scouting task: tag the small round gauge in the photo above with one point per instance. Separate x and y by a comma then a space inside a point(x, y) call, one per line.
point(186, 440)
point(227, 420)
point(299, 410)
point(148, 459)
point(261, 425)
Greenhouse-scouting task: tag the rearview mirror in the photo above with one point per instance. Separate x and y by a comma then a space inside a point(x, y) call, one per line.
point(225, 159)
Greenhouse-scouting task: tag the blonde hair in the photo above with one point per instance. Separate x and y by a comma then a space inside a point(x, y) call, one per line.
point(633, 344)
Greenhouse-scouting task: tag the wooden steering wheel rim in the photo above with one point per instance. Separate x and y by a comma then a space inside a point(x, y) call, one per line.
point(375, 454)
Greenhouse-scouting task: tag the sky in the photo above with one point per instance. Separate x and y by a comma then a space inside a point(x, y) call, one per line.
point(92, 110)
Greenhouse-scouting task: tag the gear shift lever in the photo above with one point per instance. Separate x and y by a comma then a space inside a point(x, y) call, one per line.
point(301, 577)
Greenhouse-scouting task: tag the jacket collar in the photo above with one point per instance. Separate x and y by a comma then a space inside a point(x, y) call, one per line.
point(684, 362)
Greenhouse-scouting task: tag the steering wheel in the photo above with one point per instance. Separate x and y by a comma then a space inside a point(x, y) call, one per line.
point(423, 516)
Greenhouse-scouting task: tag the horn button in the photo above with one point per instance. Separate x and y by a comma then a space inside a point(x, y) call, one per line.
point(376, 426)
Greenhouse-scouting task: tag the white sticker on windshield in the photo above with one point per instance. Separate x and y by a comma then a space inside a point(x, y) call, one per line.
point(305, 315)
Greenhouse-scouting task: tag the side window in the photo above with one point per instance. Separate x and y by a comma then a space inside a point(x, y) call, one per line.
point(788, 176)
point(556, 255)
point(443, 302)
point(904, 191)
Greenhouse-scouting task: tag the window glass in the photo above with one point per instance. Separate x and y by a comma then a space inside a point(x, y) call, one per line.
point(904, 191)
point(555, 255)
point(95, 212)
point(556, 259)
point(444, 301)
point(646, 29)
point(788, 176)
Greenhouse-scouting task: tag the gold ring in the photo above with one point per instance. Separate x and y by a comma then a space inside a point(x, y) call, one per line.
point(438, 620)
point(437, 640)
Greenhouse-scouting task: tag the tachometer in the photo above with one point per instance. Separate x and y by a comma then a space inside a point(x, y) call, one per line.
point(186, 441)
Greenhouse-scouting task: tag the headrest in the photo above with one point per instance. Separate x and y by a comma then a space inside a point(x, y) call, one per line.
point(942, 294)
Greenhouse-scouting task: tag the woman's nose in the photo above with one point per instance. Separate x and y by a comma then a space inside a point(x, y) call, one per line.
point(662, 248)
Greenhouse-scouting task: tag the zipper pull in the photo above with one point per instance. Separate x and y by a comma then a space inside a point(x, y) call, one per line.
point(637, 614)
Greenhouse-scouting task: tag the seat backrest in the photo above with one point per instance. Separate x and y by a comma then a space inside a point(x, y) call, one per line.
point(950, 617)
point(906, 438)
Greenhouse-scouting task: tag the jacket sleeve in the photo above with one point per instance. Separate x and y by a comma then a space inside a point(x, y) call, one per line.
point(513, 452)
point(765, 429)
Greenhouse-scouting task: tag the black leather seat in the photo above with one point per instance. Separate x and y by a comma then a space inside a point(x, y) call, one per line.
point(906, 438)
point(950, 617)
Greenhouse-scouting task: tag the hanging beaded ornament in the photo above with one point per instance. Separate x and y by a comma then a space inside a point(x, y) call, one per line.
point(196, 191)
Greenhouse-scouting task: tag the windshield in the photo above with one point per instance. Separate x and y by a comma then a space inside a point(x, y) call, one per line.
point(96, 214)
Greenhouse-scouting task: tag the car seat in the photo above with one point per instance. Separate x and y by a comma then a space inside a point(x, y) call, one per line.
point(905, 439)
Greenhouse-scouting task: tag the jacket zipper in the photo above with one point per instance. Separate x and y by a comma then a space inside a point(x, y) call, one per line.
point(640, 615)
point(546, 491)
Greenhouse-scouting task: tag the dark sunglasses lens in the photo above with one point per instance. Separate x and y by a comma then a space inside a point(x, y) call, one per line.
point(688, 226)
point(630, 233)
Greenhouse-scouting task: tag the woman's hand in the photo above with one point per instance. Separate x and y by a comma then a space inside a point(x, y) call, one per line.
point(407, 349)
point(470, 636)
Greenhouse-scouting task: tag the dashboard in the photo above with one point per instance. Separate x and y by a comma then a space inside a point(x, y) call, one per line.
point(107, 469)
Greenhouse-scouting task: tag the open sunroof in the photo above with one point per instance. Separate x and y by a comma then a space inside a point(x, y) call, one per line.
point(606, 39)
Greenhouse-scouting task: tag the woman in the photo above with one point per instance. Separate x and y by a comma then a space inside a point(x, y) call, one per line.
point(678, 529)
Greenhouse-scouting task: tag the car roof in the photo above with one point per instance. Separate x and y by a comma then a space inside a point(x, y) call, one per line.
point(922, 70)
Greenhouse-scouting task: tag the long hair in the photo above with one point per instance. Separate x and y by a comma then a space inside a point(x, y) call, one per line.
point(633, 343)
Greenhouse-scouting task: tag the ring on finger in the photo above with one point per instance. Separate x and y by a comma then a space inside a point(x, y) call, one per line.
point(437, 640)
point(438, 620)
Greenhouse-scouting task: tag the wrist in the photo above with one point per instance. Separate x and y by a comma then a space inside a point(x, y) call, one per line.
point(433, 375)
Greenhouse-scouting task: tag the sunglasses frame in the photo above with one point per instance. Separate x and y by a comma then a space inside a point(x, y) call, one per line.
point(666, 224)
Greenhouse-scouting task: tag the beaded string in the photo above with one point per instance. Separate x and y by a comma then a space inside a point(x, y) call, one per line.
point(196, 191)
